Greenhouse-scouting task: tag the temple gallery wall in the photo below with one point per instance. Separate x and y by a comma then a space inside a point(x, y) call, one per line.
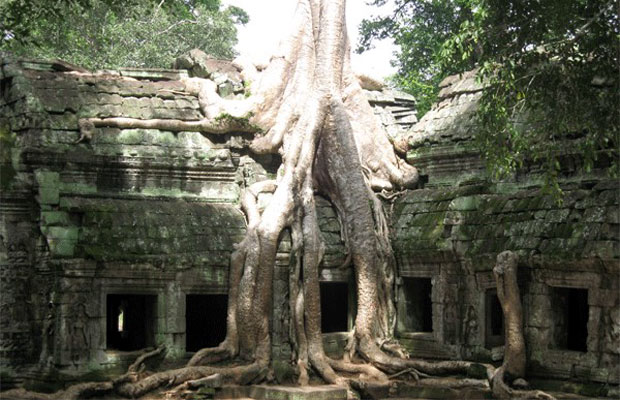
point(121, 241)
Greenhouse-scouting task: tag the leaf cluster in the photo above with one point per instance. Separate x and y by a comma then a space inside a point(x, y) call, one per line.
point(550, 70)
point(116, 33)
point(420, 28)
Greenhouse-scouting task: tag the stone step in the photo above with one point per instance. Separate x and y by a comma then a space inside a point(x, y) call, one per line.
point(267, 392)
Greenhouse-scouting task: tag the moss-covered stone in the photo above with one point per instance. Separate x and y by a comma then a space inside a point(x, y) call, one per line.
point(63, 233)
point(589, 390)
point(61, 247)
point(54, 218)
point(49, 185)
point(7, 165)
point(77, 188)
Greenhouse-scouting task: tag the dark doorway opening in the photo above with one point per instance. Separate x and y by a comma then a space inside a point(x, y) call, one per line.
point(205, 320)
point(130, 321)
point(570, 314)
point(494, 320)
point(418, 306)
point(334, 306)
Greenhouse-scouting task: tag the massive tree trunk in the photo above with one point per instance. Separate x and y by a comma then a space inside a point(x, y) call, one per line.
point(505, 272)
point(513, 367)
point(315, 115)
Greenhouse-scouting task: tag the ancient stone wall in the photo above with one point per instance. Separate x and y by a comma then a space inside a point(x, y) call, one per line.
point(145, 220)
point(141, 213)
point(452, 230)
point(129, 221)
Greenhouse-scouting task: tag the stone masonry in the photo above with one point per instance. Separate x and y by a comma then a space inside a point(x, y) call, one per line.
point(93, 229)
point(452, 229)
point(136, 216)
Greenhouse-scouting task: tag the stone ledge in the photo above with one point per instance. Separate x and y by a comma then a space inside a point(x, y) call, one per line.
point(154, 73)
point(266, 392)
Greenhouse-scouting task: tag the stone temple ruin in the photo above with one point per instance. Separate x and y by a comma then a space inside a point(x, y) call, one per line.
point(121, 241)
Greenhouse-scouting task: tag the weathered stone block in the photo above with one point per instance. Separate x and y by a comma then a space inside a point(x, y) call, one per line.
point(604, 249)
point(524, 242)
point(610, 362)
point(63, 233)
point(61, 247)
point(47, 178)
point(48, 195)
point(327, 392)
point(52, 218)
point(612, 215)
point(608, 197)
point(595, 214)
point(539, 315)
point(466, 203)
point(603, 297)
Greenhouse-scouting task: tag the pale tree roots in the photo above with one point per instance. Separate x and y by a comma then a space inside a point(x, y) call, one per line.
point(89, 389)
point(314, 114)
point(513, 367)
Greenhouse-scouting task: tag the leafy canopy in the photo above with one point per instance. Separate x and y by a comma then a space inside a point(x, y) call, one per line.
point(550, 68)
point(118, 33)
point(419, 28)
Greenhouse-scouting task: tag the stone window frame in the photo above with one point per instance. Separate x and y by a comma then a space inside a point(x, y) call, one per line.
point(128, 289)
point(569, 363)
point(192, 289)
point(485, 282)
point(338, 340)
point(428, 271)
point(589, 281)
point(342, 276)
point(488, 338)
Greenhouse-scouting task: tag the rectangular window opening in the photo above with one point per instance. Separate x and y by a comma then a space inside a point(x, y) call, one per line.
point(494, 320)
point(130, 321)
point(205, 320)
point(570, 312)
point(334, 307)
point(416, 310)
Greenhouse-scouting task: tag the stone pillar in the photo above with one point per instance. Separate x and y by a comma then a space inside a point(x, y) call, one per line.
point(170, 326)
point(18, 235)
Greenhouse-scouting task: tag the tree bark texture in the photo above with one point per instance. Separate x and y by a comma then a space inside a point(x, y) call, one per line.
point(513, 367)
point(505, 272)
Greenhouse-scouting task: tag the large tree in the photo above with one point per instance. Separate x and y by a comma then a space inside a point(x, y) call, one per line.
point(113, 33)
point(311, 110)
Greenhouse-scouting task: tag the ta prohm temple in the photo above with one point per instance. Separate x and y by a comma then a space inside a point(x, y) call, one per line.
point(120, 240)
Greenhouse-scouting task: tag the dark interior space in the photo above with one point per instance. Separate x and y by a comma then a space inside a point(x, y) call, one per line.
point(130, 321)
point(571, 314)
point(494, 320)
point(205, 320)
point(418, 307)
point(334, 306)
point(578, 315)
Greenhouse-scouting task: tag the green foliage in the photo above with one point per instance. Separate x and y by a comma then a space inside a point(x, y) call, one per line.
point(115, 33)
point(420, 28)
point(550, 69)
